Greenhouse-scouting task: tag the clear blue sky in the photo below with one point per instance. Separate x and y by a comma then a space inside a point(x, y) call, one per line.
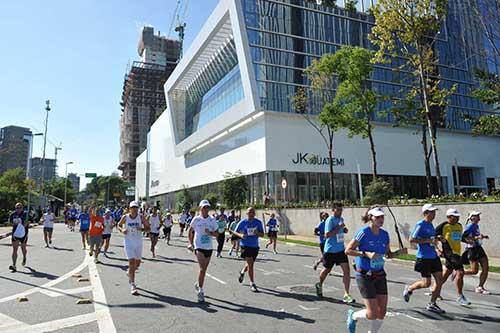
point(75, 53)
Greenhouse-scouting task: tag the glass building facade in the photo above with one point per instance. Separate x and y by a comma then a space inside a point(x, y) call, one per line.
point(285, 36)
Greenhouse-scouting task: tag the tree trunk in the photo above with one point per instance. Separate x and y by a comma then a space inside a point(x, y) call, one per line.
point(372, 148)
point(330, 157)
point(428, 176)
point(431, 128)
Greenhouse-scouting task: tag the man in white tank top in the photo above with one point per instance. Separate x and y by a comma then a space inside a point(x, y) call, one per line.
point(48, 226)
point(167, 227)
point(109, 223)
point(155, 220)
point(132, 225)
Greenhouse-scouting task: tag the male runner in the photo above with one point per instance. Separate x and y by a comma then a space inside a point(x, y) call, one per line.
point(428, 263)
point(249, 230)
point(95, 232)
point(73, 216)
point(84, 220)
point(272, 232)
point(182, 222)
point(203, 228)
point(155, 221)
point(167, 227)
point(48, 226)
point(109, 224)
point(320, 232)
point(450, 233)
point(335, 230)
point(20, 226)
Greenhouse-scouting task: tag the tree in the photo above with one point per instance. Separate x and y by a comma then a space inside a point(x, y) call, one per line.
point(13, 188)
point(488, 91)
point(56, 188)
point(107, 188)
point(213, 198)
point(409, 29)
point(354, 96)
point(184, 199)
point(487, 125)
point(234, 190)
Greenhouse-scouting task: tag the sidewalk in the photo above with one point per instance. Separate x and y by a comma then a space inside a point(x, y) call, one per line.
point(494, 261)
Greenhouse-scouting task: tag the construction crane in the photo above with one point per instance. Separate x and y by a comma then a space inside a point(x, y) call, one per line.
point(180, 27)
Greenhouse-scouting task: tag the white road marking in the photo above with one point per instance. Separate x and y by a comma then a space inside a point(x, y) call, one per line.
point(307, 309)
point(268, 272)
point(49, 284)
point(56, 292)
point(308, 266)
point(102, 313)
point(394, 314)
point(58, 324)
point(216, 279)
point(7, 323)
point(284, 271)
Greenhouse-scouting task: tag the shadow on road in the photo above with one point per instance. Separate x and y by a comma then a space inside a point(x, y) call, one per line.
point(451, 316)
point(62, 249)
point(174, 301)
point(240, 308)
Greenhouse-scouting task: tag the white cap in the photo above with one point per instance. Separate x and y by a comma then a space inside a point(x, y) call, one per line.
point(474, 213)
point(452, 212)
point(377, 211)
point(204, 203)
point(134, 204)
point(108, 210)
point(428, 208)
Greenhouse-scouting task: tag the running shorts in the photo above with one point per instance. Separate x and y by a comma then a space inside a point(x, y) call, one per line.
point(95, 240)
point(454, 262)
point(272, 234)
point(322, 247)
point(46, 229)
point(205, 252)
point(426, 267)
point(249, 252)
point(332, 259)
point(154, 234)
point(133, 249)
point(473, 254)
point(371, 286)
point(106, 236)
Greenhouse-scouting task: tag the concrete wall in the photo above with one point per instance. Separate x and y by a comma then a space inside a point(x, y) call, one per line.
point(303, 221)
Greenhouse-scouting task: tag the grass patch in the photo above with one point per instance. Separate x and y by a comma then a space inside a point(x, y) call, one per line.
point(409, 257)
point(296, 241)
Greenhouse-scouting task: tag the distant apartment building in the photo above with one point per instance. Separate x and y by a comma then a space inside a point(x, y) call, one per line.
point(13, 147)
point(75, 181)
point(49, 169)
point(143, 98)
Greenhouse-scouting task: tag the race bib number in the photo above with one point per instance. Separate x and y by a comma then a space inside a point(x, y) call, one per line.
point(251, 231)
point(377, 264)
point(456, 236)
point(340, 238)
point(98, 224)
point(205, 239)
point(274, 229)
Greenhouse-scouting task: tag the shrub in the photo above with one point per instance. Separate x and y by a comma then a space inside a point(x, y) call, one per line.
point(378, 192)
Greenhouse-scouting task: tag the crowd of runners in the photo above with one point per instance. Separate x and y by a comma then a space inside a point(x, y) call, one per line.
point(368, 247)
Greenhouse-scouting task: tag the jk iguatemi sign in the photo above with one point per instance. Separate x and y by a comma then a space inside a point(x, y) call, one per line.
point(314, 159)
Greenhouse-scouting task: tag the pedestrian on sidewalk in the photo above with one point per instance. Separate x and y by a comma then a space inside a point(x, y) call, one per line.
point(203, 227)
point(20, 226)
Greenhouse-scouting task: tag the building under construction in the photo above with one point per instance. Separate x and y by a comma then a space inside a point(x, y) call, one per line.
point(143, 98)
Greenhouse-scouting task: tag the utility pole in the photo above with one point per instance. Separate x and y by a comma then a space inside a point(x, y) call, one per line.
point(56, 149)
point(66, 181)
point(47, 109)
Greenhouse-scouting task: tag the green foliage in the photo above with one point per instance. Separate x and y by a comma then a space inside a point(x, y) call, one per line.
point(350, 5)
point(378, 192)
point(13, 188)
point(234, 190)
point(489, 89)
point(107, 188)
point(56, 188)
point(184, 199)
point(487, 125)
point(213, 198)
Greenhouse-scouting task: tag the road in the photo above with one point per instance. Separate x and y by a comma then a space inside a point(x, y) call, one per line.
point(167, 301)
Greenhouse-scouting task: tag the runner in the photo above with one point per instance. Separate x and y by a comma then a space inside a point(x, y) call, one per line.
point(73, 216)
point(320, 232)
point(428, 263)
point(48, 226)
point(249, 230)
point(450, 234)
point(182, 222)
point(95, 232)
point(235, 240)
point(334, 252)
point(109, 224)
point(20, 226)
point(84, 220)
point(369, 245)
point(167, 227)
point(475, 254)
point(132, 225)
point(221, 232)
point(202, 229)
point(155, 221)
point(272, 232)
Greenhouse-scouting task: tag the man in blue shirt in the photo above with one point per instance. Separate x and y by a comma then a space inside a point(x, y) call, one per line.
point(428, 262)
point(20, 225)
point(334, 252)
point(84, 220)
point(249, 230)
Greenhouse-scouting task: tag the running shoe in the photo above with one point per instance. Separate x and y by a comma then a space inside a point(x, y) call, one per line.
point(406, 294)
point(319, 289)
point(24, 261)
point(241, 277)
point(433, 307)
point(230, 253)
point(13, 268)
point(348, 299)
point(481, 290)
point(91, 253)
point(46, 246)
point(351, 323)
point(253, 288)
point(133, 289)
point(196, 287)
point(275, 252)
point(463, 301)
point(201, 296)
point(50, 241)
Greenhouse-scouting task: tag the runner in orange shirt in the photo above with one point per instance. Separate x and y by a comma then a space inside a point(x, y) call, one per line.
point(96, 229)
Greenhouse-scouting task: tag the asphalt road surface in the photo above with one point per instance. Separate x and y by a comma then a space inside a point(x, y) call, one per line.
point(167, 301)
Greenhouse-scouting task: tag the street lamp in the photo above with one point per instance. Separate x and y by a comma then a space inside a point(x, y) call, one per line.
point(47, 109)
point(29, 137)
point(66, 181)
